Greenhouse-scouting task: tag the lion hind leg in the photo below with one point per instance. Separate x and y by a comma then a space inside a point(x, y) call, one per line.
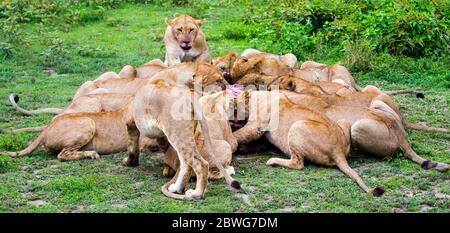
point(107, 76)
point(127, 72)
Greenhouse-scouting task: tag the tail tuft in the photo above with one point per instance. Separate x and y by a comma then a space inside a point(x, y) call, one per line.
point(420, 95)
point(235, 184)
point(377, 191)
point(15, 97)
point(428, 164)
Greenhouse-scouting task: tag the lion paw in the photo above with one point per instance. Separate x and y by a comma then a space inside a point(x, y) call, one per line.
point(93, 155)
point(193, 195)
point(173, 188)
point(130, 163)
point(271, 162)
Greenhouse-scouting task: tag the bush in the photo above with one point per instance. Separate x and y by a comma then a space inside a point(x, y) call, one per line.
point(359, 56)
point(57, 53)
point(412, 28)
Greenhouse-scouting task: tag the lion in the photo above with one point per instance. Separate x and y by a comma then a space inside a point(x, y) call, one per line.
point(316, 88)
point(206, 73)
point(147, 70)
point(353, 99)
point(258, 65)
point(83, 135)
point(225, 63)
point(312, 71)
point(376, 129)
point(223, 142)
point(91, 115)
point(288, 59)
point(87, 103)
point(165, 109)
point(185, 41)
point(298, 131)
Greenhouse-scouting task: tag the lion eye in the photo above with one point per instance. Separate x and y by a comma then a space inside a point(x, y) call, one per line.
point(191, 29)
point(180, 30)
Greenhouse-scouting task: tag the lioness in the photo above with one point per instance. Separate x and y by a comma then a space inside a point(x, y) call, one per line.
point(376, 129)
point(91, 115)
point(313, 71)
point(288, 59)
point(83, 135)
point(185, 41)
point(147, 70)
point(102, 102)
point(301, 132)
point(223, 141)
point(356, 99)
point(166, 108)
point(258, 65)
point(204, 73)
point(225, 63)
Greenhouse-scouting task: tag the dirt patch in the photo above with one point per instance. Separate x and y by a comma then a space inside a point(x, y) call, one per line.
point(37, 203)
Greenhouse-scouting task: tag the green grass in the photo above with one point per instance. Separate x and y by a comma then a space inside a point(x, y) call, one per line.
point(132, 34)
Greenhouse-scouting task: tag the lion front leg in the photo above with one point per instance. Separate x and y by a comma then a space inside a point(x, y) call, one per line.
point(70, 155)
point(250, 132)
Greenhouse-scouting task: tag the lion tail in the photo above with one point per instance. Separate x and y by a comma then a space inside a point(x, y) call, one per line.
point(14, 99)
point(418, 94)
point(29, 129)
point(424, 127)
point(167, 193)
point(33, 146)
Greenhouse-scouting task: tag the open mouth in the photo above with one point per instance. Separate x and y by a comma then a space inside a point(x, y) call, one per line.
point(185, 47)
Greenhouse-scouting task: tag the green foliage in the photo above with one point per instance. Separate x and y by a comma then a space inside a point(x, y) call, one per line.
point(7, 164)
point(6, 50)
point(55, 54)
point(412, 28)
point(104, 185)
point(359, 56)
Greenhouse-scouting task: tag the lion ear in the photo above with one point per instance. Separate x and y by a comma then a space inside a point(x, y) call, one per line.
point(200, 22)
point(169, 22)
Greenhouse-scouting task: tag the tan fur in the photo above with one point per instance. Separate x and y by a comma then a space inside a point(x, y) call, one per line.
point(376, 128)
point(223, 141)
point(302, 133)
point(153, 117)
point(289, 59)
point(185, 41)
point(316, 88)
point(58, 135)
point(258, 65)
point(204, 73)
point(147, 70)
point(81, 135)
point(313, 71)
point(225, 63)
point(352, 99)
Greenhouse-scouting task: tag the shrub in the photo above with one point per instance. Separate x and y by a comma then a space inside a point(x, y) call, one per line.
point(55, 54)
point(359, 56)
point(412, 28)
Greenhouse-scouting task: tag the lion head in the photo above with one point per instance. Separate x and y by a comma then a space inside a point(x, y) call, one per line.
point(185, 29)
